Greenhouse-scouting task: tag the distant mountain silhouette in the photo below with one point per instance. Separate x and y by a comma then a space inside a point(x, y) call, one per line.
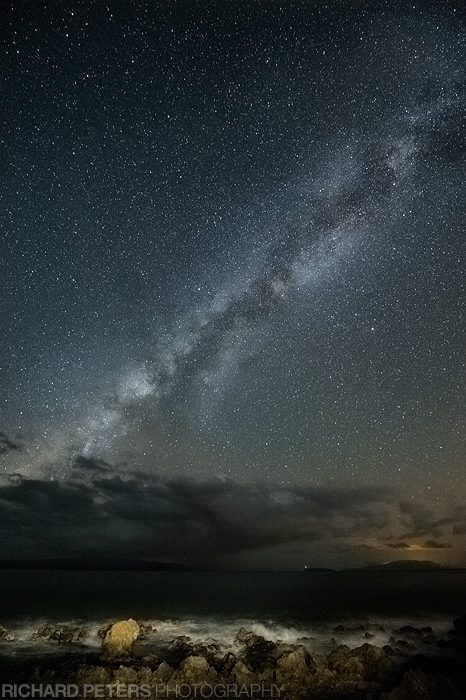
point(408, 564)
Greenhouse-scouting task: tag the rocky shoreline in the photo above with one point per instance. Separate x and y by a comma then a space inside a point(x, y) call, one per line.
point(416, 664)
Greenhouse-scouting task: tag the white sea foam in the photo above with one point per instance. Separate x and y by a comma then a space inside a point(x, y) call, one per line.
point(317, 637)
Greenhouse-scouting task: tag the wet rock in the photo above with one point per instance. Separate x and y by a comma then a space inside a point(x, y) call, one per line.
point(225, 664)
point(120, 638)
point(337, 653)
point(92, 675)
point(180, 648)
point(126, 675)
point(369, 662)
point(194, 669)
point(402, 644)
point(5, 636)
point(102, 631)
point(209, 650)
point(145, 630)
point(260, 653)
point(151, 660)
point(294, 668)
point(257, 652)
point(341, 629)
point(370, 628)
point(162, 673)
point(417, 685)
point(244, 637)
point(63, 634)
point(241, 674)
point(416, 632)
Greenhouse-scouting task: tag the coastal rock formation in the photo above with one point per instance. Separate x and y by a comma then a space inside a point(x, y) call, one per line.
point(367, 672)
point(120, 638)
point(63, 634)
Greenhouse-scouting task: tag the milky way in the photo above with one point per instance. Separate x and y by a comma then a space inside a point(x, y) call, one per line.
point(234, 249)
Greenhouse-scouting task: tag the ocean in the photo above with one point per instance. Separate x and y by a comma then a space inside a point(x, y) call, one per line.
point(201, 605)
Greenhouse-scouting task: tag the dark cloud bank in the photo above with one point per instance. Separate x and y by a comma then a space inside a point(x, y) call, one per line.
point(215, 522)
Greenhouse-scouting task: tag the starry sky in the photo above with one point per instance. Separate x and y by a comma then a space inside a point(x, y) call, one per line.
point(232, 289)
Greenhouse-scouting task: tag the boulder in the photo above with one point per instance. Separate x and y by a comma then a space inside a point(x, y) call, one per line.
point(194, 669)
point(367, 661)
point(294, 669)
point(241, 674)
point(260, 654)
point(179, 649)
point(92, 675)
point(120, 638)
point(225, 664)
point(162, 673)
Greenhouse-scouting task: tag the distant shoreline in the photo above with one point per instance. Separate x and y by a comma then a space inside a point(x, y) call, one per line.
point(80, 564)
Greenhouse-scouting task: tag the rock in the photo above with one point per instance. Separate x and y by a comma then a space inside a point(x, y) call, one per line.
point(102, 631)
point(194, 669)
point(367, 661)
point(410, 631)
point(180, 648)
point(120, 638)
point(295, 667)
point(340, 651)
point(417, 685)
point(460, 624)
point(92, 675)
point(145, 630)
point(260, 653)
point(151, 660)
point(225, 664)
point(63, 634)
point(162, 673)
point(5, 636)
point(244, 637)
point(361, 629)
point(209, 650)
point(241, 674)
point(341, 629)
point(402, 644)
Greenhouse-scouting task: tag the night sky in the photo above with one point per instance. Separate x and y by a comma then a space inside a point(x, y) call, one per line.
point(232, 286)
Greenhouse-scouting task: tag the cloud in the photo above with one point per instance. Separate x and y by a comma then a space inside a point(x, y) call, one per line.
point(428, 544)
point(7, 445)
point(211, 522)
point(85, 464)
point(420, 520)
point(434, 544)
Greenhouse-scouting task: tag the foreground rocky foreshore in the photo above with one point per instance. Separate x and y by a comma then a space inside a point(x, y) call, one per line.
point(415, 665)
